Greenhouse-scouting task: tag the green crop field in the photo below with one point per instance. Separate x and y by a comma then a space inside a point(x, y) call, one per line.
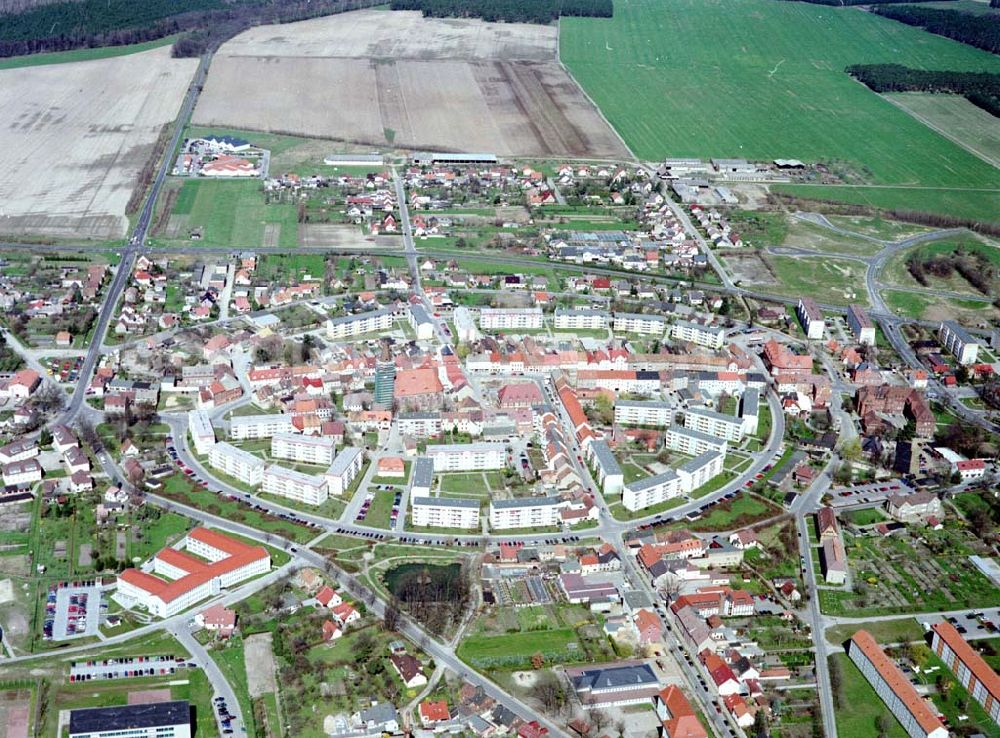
point(77, 55)
point(957, 118)
point(977, 204)
point(761, 79)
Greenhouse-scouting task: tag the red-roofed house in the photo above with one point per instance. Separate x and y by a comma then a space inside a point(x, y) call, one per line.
point(532, 730)
point(675, 712)
point(330, 631)
point(345, 614)
point(432, 712)
point(327, 597)
point(722, 675)
point(217, 618)
point(649, 627)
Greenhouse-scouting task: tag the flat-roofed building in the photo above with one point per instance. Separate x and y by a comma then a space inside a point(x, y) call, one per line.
point(305, 449)
point(444, 512)
point(893, 688)
point(811, 318)
point(692, 442)
point(861, 325)
point(501, 319)
point(306, 488)
point(647, 325)
point(237, 463)
point(654, 413)
point(253, 427)
point(974, 674)
point(526, 512)
point(143, 720)
point(591, 320)
point(959, 342)
point(720, 425)
point(750, 411)
point(420, 424)
point(423, 477)
point(343, 470)
point(348, 326)
point(201, 430)
point(467, 456)
point(709, 336)
point(609, 473)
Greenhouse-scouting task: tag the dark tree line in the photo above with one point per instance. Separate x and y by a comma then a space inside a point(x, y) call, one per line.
point(511, 11)
point(843, 3)
point(975, 29)
point(980, 88)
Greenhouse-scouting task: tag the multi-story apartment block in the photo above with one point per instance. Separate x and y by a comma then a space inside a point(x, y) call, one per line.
point(959, 342)
point(237, 463)
point(651, 491)
point(467, 456)
point(252, 427)
point(306, 488)
point(343, 470)
point(811, 318)
point(692, 442)
point(648, 325)
point(420, 424)
point(201, 430)
point(720, 425)
point(502, 319)
point(609, 473)
point(593, 320)
point(861, 325)
point(304, 449)
point(421, 322)
point(894, 689)
point(700, 470)
point(750, 411)
point(423, 477)
point(974, 674)
point(709, 336)
point(526, 512)
point(349, 326)
point(654, 413)
point(444, 512)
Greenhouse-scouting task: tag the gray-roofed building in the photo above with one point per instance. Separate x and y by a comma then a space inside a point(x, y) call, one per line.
point(423, 477)
point(344, 469)
point(692, 442)
point(421, 322)
point(444, 512)
point(628, 683)
point(152, 720)
point(426, 158)
point(526, 512)
point(609, 473)
point(565, 319)
point(959, 342)
point(347, 326)
point(750, 410)
point(644, 412)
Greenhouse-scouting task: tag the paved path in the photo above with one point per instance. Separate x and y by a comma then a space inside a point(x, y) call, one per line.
point(221, 687)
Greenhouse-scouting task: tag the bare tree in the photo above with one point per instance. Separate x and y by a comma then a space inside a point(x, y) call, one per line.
point(598, 718)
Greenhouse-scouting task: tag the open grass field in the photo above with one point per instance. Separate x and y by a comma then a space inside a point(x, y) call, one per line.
point(956, 118)
point(77, 135)
point(761, 79)
point(398, 79)
point(884, 631)
point(78, 55)
point(976, 204)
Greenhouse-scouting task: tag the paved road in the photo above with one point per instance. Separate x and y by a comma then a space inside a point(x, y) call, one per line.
point(221, 687)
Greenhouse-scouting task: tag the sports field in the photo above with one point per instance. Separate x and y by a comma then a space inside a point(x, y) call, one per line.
point(761, 79)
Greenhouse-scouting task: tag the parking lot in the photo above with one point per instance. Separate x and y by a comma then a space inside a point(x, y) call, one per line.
point(971, 624)
point(72, 611)
point(867, 494)
point(125, 668)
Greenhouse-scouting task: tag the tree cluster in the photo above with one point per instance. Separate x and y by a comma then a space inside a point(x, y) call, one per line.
point(510, 11)
point(975, 268)
point(843, 3)
point(975, 29)
point(980, 88)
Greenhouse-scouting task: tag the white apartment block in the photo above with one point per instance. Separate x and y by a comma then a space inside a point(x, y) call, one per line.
point(700, 470)
point(708, 336)
point(202, 432)
point(237, 463)
point(720, 425)
point(592, 320)
point(861, 325)
point(644, 412)
point(647, 325)
point(692, 442)
point(467, 456)
point(444, 512)
point(252, 427)
point(750, 411)
point(957, 340)
point(306, 488)
point(343, 470)
point(304, 449)
point(349, 326)
point(528, 512)
point(422, 478)
point(421, 322)
point(651, 490)
point(465, 325)
point(499, 319)
point(419, 424)
point(811, 318)
point(609, 473)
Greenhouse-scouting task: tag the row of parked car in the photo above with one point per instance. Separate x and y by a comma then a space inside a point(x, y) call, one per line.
point(225, 719)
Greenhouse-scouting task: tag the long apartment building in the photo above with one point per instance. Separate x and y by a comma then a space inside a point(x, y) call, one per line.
point(692, 442)
point(501, 319)
point(420, 424)
point(647, 325)
point(720, 425)
point(237, 463)
point(672, 483)
point(591, 320)
point(306, 488)
point(959, 342)
point(343, 470)
point(811, 318)
point(253, 427)
point(349, 326)
point(709, 336)
point(467, 456)
point(201, 430)
point(605, 465)
point(861, 325)
point(444, 512)
point(893, 688)
point(422, 478)
point(644, 412)
point(974, 674)
point(526, 512)
point(750, 411)
point(203, 563)
point(304, 449)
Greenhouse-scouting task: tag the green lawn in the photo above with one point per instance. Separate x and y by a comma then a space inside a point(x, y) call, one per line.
point(622, 513)
point(470, 483)
point(858, 708)
point(517, 648)
point(77, 55)
point(781, 64)
point(231, 663)
point(742, 510)
point(978, 204)
point(829, 280)
point(883, 631)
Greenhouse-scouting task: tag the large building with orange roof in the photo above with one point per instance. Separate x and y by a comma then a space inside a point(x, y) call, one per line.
point(893, 688)
point(202, 565)
point(678, 717)
point(972, 671)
